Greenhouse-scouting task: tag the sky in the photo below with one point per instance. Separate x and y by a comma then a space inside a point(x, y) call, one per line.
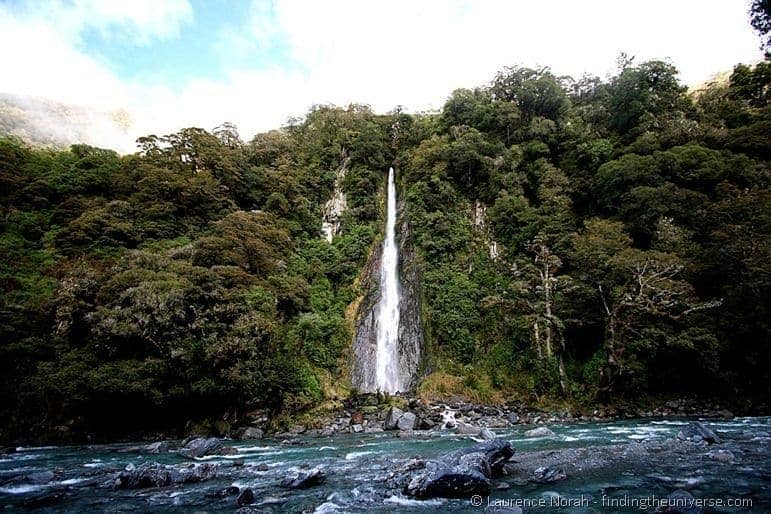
point(176, 63)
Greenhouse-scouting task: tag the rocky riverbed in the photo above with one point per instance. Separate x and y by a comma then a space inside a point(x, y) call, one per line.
point(374, 413)
point(424, 470)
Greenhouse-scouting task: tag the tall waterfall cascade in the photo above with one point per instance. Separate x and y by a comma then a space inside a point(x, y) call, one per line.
point(387, 356)
point(388, 341)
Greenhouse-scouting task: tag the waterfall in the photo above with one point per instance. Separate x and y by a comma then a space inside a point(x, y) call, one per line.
point(388, 374)
point(388, 340)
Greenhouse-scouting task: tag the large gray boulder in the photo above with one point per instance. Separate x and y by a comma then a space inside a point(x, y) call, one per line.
point(392, 418)
point(467, 429)
point(201, 447)
point(158, 447)
point(440, 480)
point(152, 474)
point(304, 479)
point(487, 434)
point(407, 421)
point(460, 474)
point(540, 432)
point(697, 432)
point(250, 433)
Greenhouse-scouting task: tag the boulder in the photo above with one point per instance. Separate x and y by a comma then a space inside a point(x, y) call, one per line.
point(440, 480)
point(40, 477)
point(540, 432)
point(245, 498)
point(426, 424)
point(466, 429)
point(201, 447)
point(357, 418)
point(487, 434)
point(721, 455)
point(224, 492)
point(546, 475)
point(392, 418)
point(460, 474)
point(152, 474)
point(406, 421)
point(697, 432)
point(513, 418)
point(497, 452)
point(157, 447)
point(405, 434)
point(304, 479)
point(250, 433)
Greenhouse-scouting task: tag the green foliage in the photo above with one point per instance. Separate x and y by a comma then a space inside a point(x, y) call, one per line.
point(583, 238)
point(188, 280)
point(638, 191)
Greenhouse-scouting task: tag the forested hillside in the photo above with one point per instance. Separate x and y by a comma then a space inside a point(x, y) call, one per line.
point(579, 241)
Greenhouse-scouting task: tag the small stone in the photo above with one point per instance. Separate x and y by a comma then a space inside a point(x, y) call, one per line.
point(540, 432)
point(721, 455)
point(251, 433)
point(304, 480)
point(467, 429)
point(697, 432)
point(487, 434)
point(545, 475)
point(157, 447)
point(224, 493)
point(245, 498)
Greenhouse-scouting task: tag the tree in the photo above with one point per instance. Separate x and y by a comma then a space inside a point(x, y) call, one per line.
point(760, 19)
point(545, 285)
point(631, 285)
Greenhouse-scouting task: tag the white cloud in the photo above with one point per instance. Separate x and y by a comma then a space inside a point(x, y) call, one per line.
point(383, 53)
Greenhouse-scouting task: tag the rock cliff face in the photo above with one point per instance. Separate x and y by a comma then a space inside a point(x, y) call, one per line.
point(335, 206)
point(364, 351)
point(363, 365)
point(411, 341)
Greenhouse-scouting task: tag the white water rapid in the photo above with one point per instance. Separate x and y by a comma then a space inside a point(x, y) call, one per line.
point(387, 359)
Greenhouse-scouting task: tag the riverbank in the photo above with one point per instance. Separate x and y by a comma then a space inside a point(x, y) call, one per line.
point(368, 413)
point(368, 472)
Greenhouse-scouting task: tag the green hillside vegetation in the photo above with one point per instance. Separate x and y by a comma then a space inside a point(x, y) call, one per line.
point(189, 281)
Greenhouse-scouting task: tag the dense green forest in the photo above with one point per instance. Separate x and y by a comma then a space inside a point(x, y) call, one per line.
point(579, 241)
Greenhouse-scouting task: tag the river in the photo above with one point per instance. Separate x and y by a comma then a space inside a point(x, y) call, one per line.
point(358, 467)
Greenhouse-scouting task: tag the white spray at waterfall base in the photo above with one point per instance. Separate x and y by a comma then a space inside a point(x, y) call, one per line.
point(387, 359)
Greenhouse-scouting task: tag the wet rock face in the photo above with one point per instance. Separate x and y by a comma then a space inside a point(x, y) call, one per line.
point(364, 352)
point(411, 342)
